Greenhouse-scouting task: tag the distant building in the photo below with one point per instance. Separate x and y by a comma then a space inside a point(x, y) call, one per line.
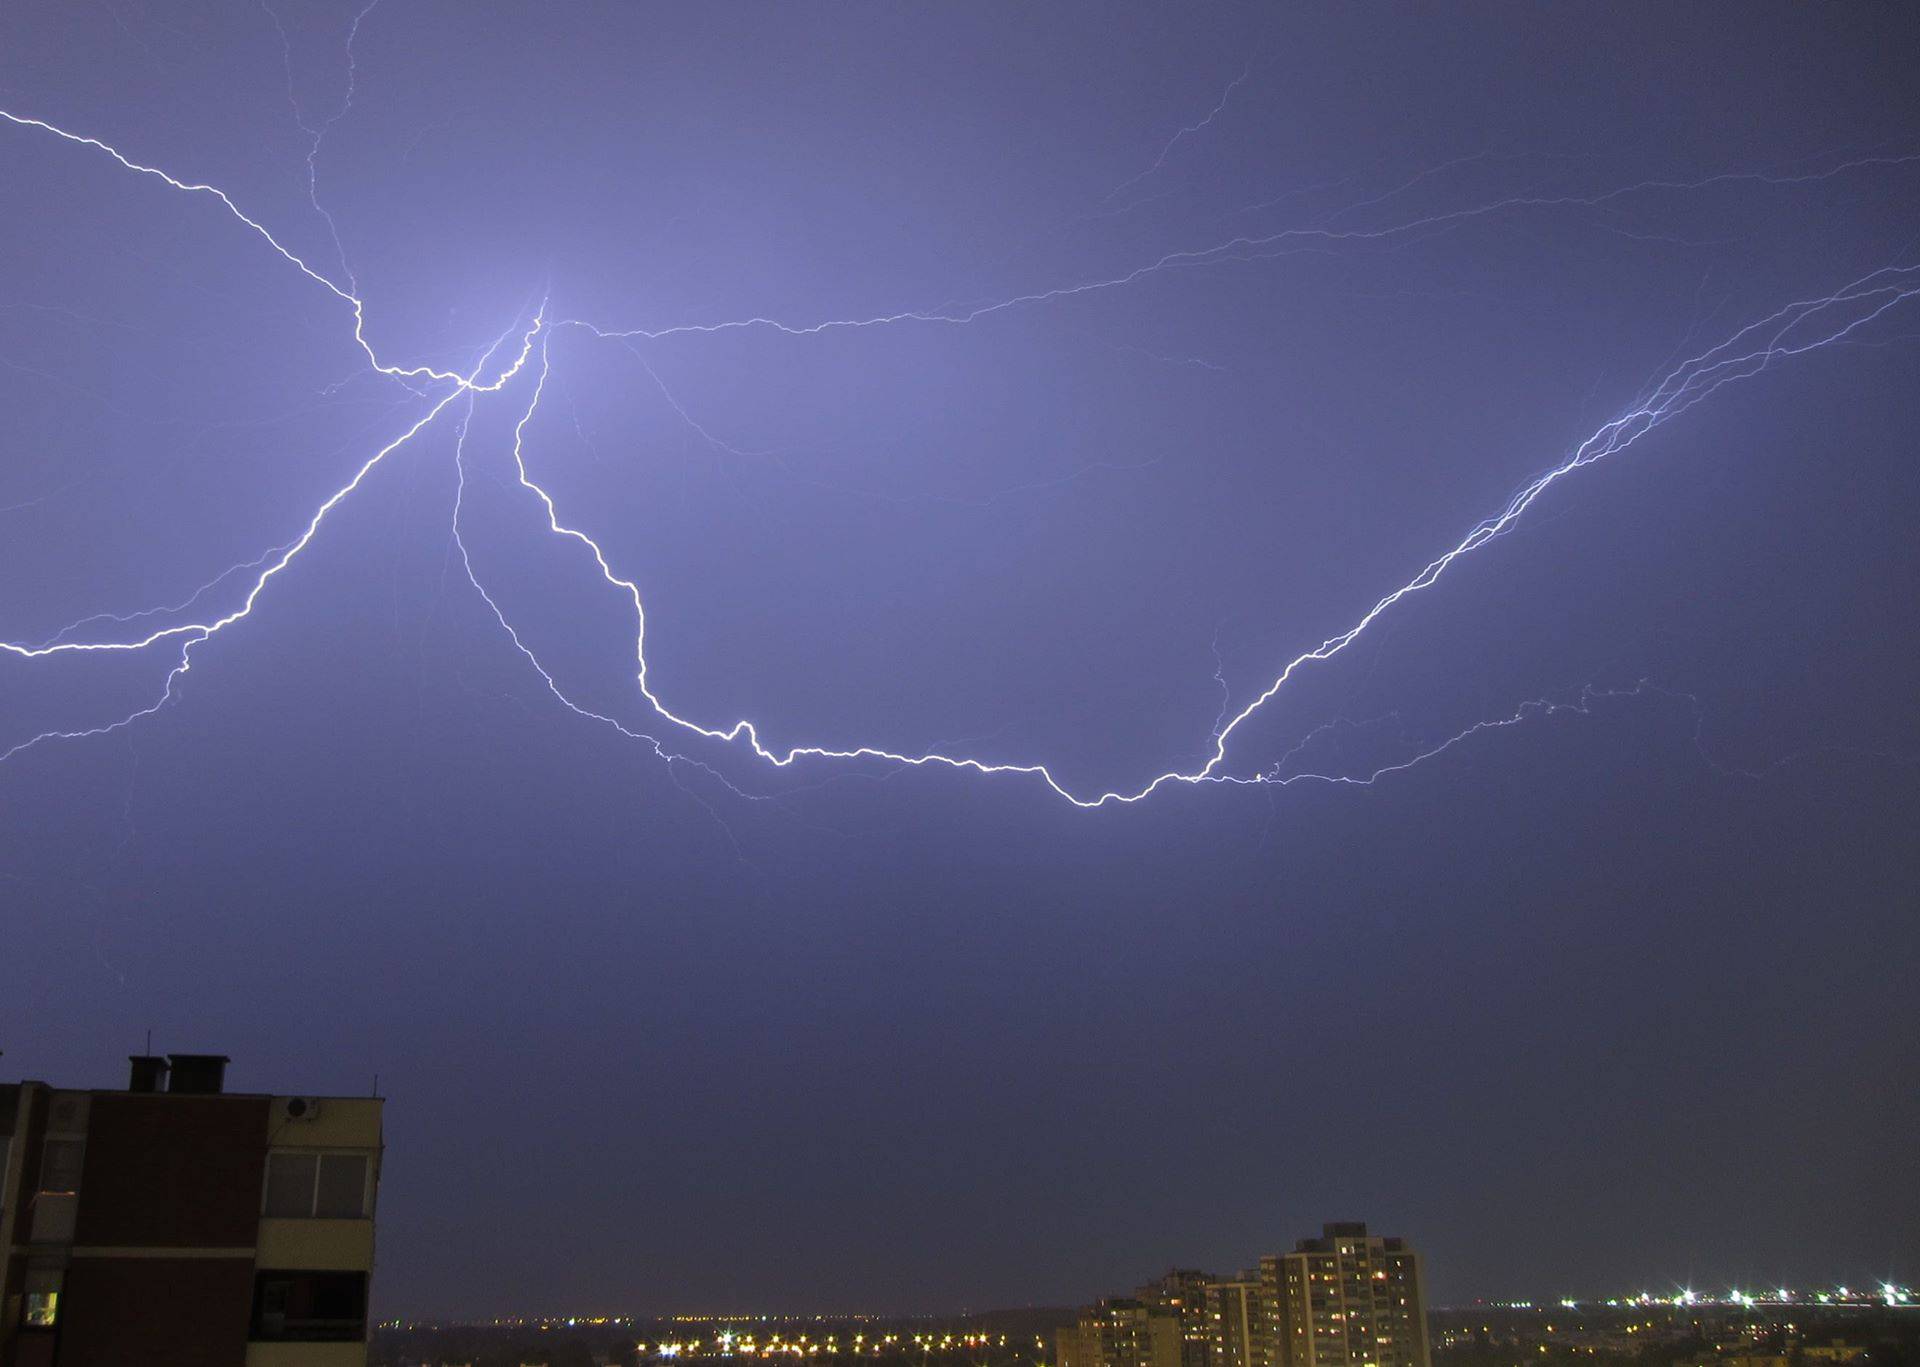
point(1347, 1299)
point(177, 1223)
point(1240, 1320)
point(1181, 1294)
point(1121, 1332)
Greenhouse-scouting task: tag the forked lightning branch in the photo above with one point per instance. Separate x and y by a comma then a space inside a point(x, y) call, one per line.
point(515, 368)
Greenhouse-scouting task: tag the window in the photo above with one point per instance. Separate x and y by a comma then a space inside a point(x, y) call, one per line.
point(43, 1297)
point(342, 1191)
point(290, 1178)
point(328, 1186)
point(309, 1307)
point(60, 1165)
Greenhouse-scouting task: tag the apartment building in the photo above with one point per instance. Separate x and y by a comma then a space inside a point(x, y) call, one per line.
point(181, 1225)
point(1347, 1299)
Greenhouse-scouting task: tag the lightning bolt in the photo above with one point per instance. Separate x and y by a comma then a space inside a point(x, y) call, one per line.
point(192, 634)
point(343, 293)
point(1185, 132)
point(1251, 247)
point(317, 133)
point(1794, 329)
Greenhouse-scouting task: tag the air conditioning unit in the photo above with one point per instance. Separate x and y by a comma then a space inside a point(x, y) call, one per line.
point(300, 1108)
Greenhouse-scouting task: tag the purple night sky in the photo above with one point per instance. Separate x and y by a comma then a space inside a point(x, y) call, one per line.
point(1024, 385)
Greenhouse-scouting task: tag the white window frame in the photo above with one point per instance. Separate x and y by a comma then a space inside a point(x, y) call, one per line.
point(369, 1157)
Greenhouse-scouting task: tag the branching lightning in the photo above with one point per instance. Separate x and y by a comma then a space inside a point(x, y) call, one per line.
point(1793, 329)
point(1184, 132)
point(317, 133)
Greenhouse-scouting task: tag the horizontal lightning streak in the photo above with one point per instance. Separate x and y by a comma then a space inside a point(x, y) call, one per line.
point(1582, 704)
point(1223, 251)
point(1765, 340)
point(1784, 333)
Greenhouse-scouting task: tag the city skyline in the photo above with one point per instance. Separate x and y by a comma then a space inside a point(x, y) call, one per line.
point(1727, 1295)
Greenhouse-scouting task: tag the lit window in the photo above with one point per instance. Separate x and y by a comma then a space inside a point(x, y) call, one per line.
point(43, 1298)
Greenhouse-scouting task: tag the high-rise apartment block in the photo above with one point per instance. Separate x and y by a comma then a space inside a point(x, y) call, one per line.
point(177, 1224)
point(1346, 1299)
point(1349, 1299)
point(1120, 1332)
point(1240, 1316)
point(1181, 1295)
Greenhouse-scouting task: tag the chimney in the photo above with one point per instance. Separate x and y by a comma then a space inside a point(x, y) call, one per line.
point(197, 1074)
point(149, 1073)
